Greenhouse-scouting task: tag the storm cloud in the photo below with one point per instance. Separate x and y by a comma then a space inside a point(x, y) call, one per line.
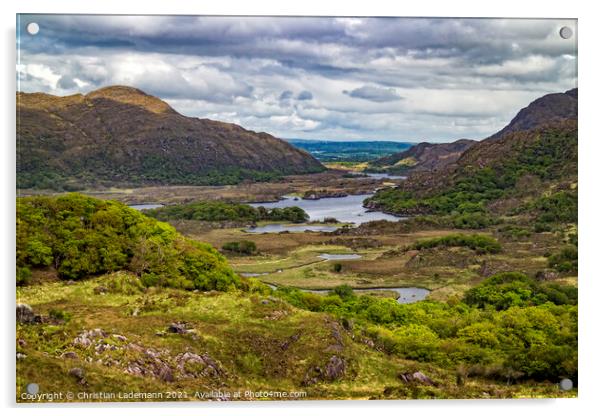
point(326, 78)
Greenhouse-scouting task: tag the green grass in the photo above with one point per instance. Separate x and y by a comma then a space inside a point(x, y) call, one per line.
point(240, 331)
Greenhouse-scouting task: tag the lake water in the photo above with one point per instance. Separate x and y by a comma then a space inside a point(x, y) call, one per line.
point(327, 256)
point(347, 209)
point(141, 207)
point(385, 176)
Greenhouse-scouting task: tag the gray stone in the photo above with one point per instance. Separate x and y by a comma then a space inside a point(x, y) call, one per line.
point(335, 368)
point(72, 355)
point(78, 373)
point(25, 314)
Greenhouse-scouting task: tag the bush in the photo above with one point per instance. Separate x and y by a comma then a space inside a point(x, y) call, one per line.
point(505, 290)
point(82, 236)
point(337, 267)
point(480, 243)
point(240, 247)
point(566, 260)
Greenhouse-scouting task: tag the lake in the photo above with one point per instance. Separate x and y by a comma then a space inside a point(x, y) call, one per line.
point(348, 209)
point(385, 176)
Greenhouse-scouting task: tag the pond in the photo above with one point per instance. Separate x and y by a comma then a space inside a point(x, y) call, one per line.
point(327, 256)
point(141, 207)
point(406, 294)
point(381, 176)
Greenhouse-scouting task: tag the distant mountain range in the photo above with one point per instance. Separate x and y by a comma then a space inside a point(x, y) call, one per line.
point(350, 151)
point(121, 135)
point(423, 156)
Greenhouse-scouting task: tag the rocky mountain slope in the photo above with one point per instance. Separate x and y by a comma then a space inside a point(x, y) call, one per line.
point(122, 135)
point(548, 109)
point(423, 157)
point(536, 153)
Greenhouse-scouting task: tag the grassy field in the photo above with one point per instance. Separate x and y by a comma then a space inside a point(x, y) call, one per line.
point(248, 343)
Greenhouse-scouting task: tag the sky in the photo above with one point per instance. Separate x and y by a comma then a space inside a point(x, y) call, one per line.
point(401, 79)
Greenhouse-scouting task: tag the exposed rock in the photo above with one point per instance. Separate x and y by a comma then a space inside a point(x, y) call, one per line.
point(21, 342)
point(86, 338)
point(544, 275)
point(166, 374)
point(72, 355)
point(416, 377)
point(293, 338)
point(335, 368)
point(21, 356)
point(78, 373)
point(25, 314)
point(177, 328)
point(191, 365)
point(120, 338)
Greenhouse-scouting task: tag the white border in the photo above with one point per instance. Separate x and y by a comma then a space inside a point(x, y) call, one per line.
point(590, 154)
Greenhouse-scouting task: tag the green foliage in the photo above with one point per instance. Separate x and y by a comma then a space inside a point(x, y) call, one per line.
point(81, 236)
point(343, 291)
point(506, 290)
point(224, 211)
point(548, 156)
point(478, 242)
point(240, 247)
point(59, 314)
point(23, 275)
point(560, 207)
point(337, 267)
point(534, 334)
point(566, 260)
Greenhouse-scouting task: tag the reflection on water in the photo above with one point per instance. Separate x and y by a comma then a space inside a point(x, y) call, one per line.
point(327, 256)
point(385, 176)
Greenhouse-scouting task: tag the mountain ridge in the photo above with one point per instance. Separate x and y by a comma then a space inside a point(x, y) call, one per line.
point(122, 135)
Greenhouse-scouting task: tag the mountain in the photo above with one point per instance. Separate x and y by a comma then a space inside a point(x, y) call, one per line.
point(547, 109)
point(531, 161)
point(121, 135)
point(349, 151)
point(423, 157)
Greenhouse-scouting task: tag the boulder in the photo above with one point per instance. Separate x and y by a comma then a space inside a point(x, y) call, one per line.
point(416, 377)
point(72, 355)
point(335, 368)
point(25, 314)
point(77, 373)
point(177, 328)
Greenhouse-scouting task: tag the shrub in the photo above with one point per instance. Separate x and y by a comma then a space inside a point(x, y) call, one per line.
point(337, 267)
point(82, 236)
point(478, 242)
point(505, 290)
point(566, 260)
point(240, 247)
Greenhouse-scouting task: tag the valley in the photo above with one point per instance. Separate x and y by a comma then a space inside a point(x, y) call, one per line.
point(455, 282)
